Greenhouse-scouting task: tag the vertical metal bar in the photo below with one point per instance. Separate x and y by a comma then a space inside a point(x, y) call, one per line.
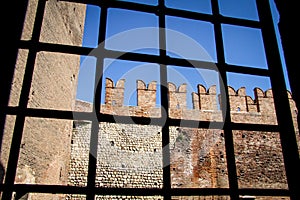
point(20, 119)
point(165, 133)
point(92, 160)
point(10, 52)
point(282, 108)
point(289, 34)
point(164, 103)
point(92, 172)
point(225, 106)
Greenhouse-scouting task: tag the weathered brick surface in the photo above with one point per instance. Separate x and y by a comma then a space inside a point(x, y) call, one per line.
point(259, 160)
point(197, 158)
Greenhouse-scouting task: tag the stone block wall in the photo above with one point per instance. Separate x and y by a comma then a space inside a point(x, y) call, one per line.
point(129, 156)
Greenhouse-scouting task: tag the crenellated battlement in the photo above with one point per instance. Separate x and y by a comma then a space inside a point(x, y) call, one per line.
point(205, 101)
point(114, 94)
point(177, 96)
point(146, 94)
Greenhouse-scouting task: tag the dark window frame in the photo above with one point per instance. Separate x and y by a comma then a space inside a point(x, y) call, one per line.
point(285, 124)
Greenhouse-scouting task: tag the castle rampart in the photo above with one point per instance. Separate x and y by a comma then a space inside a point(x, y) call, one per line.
point(131, 155)
point(206, 104)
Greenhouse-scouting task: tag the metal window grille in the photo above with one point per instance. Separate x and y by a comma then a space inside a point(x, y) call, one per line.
point(274, 71)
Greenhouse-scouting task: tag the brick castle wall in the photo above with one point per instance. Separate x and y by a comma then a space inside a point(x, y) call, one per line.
point(131, 155)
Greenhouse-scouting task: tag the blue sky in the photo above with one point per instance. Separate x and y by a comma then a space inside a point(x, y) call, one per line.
point(133, 31)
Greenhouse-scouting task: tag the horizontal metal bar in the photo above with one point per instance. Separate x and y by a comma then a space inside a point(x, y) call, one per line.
point(49, 113)
point(113, 54)
point(247, 70)
point(254, 127)
point(264, 192)
point(159, 60)
point(171, 11)
point(199, 191)
point(212, 18)
point(118, 4)
point(61, 189)
point(89, 116)
point(57, 48)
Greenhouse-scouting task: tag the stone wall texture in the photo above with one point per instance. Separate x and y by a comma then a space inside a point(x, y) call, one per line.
point(45, 147)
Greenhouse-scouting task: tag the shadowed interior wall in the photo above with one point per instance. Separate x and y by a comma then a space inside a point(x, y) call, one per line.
point(45, 147)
